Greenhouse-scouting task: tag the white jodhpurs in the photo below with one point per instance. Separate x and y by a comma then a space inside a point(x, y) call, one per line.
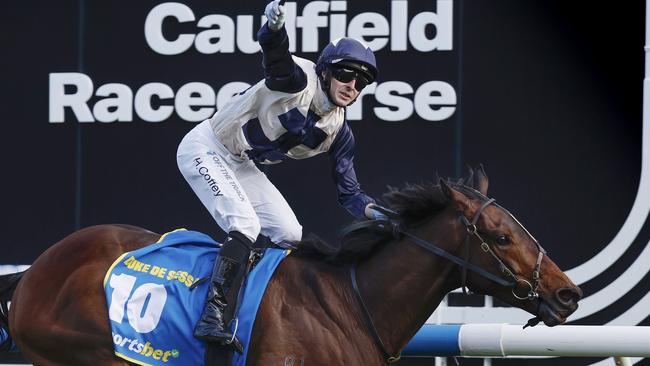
point(238, 195)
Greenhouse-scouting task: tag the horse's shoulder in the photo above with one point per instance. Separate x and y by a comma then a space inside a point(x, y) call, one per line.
point(303, 263)
point(308, 273)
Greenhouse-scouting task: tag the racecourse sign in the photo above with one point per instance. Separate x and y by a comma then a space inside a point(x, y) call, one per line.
point(194, 101)
point(197, 101)
point(218, 33)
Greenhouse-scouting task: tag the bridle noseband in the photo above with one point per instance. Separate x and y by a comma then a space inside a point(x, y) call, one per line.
point(507, 279)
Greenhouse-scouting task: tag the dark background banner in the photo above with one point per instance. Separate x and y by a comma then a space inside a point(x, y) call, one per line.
point(546, 94)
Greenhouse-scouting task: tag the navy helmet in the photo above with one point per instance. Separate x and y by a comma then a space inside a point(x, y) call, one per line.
point(349, 53)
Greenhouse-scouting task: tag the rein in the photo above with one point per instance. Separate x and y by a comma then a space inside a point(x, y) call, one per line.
point(510, 280)
point(366, 315)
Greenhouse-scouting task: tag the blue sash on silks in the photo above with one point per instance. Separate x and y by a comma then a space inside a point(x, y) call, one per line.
point(153, 310)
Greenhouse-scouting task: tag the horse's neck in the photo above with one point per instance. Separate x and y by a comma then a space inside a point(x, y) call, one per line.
point(403, 283)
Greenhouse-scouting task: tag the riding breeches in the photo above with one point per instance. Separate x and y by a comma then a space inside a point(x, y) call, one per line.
point(238, 195)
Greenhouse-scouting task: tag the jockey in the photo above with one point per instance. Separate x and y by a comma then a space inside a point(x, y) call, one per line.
point(296, 111)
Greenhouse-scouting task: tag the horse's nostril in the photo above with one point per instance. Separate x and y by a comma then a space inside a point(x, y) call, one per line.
point(568, 295)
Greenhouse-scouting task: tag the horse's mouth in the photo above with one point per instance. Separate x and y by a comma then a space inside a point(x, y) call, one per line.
point(551, 316)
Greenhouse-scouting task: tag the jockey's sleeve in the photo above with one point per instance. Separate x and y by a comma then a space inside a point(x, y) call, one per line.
point(280, 71)
point(349, 190)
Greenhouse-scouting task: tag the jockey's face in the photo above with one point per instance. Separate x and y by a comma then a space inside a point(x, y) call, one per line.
point(343, 93)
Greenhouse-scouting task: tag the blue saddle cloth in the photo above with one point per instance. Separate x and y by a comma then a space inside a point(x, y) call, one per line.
point(152, 308)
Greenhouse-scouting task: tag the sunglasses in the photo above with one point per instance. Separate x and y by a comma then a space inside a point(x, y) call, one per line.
point(346, 75)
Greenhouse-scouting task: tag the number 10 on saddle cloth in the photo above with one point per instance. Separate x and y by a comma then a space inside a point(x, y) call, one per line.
point(153, 308)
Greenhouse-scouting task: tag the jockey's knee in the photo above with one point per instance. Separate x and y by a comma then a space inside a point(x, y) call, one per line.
point(291, 231)
point(294, 233)
point(251, 229)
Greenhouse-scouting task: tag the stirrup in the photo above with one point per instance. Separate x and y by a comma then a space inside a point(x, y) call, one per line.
point(234, 333)
point(234, 342)
point(236, 346)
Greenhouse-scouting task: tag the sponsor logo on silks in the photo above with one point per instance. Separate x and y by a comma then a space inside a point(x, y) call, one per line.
point(144, 349)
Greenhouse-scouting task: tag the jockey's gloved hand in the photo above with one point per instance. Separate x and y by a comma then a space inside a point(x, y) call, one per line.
point(374, 211)
point(275, 14)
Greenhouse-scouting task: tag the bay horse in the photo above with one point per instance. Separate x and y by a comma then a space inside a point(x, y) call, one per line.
point(361, 308)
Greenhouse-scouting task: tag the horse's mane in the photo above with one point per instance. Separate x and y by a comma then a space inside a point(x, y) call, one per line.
point(415, 203)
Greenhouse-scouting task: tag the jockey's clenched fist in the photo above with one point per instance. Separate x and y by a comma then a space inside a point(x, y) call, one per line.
point(275, 14)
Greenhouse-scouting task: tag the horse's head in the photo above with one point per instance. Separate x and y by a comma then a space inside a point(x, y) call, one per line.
point(495, 241)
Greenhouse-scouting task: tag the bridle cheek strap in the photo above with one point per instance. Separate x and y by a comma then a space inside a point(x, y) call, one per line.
point(471, 230)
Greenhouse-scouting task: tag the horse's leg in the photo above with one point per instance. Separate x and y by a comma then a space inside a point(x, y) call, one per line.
point(59, 314)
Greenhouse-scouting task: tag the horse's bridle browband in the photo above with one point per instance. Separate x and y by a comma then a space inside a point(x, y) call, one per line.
point(465, 264)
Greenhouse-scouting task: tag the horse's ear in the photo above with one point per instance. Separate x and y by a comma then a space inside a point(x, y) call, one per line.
point(482, 181)
point(454, 196)
point(470, 178)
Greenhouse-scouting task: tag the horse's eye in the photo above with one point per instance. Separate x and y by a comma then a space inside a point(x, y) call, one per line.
point(503, 240)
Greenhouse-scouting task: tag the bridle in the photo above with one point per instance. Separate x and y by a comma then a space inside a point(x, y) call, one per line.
point(507, 278)
point(506, 272)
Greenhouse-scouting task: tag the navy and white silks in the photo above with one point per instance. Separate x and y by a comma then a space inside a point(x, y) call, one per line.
point(285, 115)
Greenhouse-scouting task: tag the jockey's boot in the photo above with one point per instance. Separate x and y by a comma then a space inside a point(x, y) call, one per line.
point(227, 276)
